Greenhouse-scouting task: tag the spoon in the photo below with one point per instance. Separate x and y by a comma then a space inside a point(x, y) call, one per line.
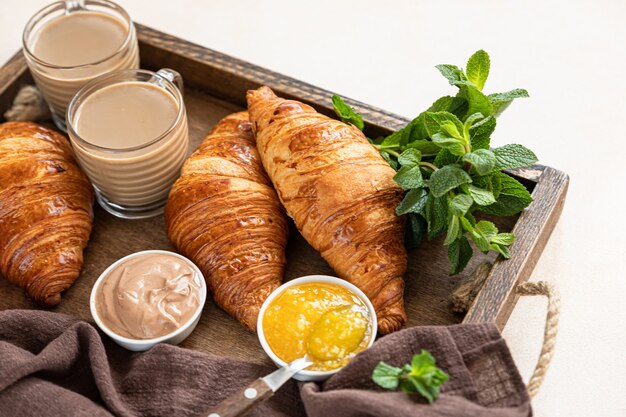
point(337, 333)
point(261, 389)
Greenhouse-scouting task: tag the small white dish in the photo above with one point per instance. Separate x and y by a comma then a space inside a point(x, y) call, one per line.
point(312, 375)
point(173, 338)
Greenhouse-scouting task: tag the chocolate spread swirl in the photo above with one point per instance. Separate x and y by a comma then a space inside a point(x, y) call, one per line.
point(148, 296)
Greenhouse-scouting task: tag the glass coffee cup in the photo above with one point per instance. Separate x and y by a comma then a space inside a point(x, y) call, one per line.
point(69, 43)
point(129, 132)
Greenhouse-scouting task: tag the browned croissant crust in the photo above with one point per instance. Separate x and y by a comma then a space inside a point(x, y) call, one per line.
point(340, 193)
point(223, 214)
point(45, 211)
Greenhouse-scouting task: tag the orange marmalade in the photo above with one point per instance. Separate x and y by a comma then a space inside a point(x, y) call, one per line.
point(326, 321)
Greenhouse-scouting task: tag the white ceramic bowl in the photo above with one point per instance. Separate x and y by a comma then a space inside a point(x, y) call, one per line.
point(172, 338)
point(312, 375)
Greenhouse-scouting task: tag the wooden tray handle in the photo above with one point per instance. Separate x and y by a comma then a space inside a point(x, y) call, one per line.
point(465, 293)
point(241, 402)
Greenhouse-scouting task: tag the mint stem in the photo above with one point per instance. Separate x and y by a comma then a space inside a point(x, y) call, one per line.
point(392, 153)
point(428, 165)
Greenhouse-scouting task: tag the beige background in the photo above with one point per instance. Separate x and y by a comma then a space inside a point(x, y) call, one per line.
point(570, 55)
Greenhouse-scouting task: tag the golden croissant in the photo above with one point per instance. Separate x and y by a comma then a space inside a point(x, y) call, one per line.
point(223, 214)
point(341, 194)
point(46, 211)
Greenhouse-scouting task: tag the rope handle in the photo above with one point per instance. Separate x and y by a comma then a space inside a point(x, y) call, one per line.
point(549, 335)
point(466, 290)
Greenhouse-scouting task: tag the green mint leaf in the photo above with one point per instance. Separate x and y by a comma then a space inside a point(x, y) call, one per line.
point(417, 386)
point(459, 254)
point(426, 378)
point(453, 73)
point(460, 204)
point(483, 160)
point(514, 156)
point(490, 182)
point(471, 119)
point(386, 376)
point(470, 217)
point(501, 101)
point(477, 69)
point(421, 376)
point(436, 215)
point(481, 233)
point(512, 198)
point(478, 102)
point(453, 145)
point(445, 157)
point(419, 362)
point(396, 138)
point(508, 96)
point(450, 104)
point(443, 122)
point(409, 176)
point(413, 131)
point(481, 242)
point(416, 228)
point(410, 157)
point(503, 239)
point(414, 202)
point(447, 178)
point(480, 133)
point(480, 196)
point(417, 129)
point(389, 159)
point(502, 249)
point(347, 113)
point(426, 147)
point(487, 229)
point(454, 230)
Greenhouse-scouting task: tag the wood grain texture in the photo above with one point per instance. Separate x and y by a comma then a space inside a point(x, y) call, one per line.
point(216, 86)
point(13, 75)
point(239, 404)
point(497, 298)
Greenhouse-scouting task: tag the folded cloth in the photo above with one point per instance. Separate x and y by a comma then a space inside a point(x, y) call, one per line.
point(53, 364)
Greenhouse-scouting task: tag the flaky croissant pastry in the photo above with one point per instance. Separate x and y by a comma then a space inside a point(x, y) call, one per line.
point(45, 211)
point(340, 193)
point(223, 214)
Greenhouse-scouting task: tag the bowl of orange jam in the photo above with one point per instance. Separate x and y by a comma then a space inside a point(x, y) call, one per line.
point(326, 318)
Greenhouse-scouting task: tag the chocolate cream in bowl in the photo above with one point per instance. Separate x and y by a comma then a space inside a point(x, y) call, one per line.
point(148, 296)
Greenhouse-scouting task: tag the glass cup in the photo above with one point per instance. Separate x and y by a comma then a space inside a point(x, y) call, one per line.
point(133, 182)
point(58, 83)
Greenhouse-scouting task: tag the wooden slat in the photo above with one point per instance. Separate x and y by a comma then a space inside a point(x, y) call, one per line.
point(497, 298)
point(13, 75)
point(229, 78)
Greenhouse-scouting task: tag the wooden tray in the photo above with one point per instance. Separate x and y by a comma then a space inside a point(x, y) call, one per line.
point(215, 86)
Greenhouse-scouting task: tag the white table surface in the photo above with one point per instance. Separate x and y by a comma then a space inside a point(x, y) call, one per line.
point(570, 56)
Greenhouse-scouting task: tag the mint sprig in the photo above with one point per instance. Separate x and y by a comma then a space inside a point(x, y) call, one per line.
point(421, 376)
point(445, 163)
point(347, 113)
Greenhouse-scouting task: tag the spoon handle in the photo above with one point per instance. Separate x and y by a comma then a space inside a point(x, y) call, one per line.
point(241, 402)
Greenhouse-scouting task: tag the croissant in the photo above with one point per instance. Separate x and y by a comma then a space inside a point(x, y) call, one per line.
point(341, 194)
point(46, 211)
point(223, 214)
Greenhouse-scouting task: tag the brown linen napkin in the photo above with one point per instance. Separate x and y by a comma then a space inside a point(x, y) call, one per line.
point(52, 364)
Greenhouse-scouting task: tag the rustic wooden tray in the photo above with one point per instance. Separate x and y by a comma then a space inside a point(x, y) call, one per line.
point(215, 86)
